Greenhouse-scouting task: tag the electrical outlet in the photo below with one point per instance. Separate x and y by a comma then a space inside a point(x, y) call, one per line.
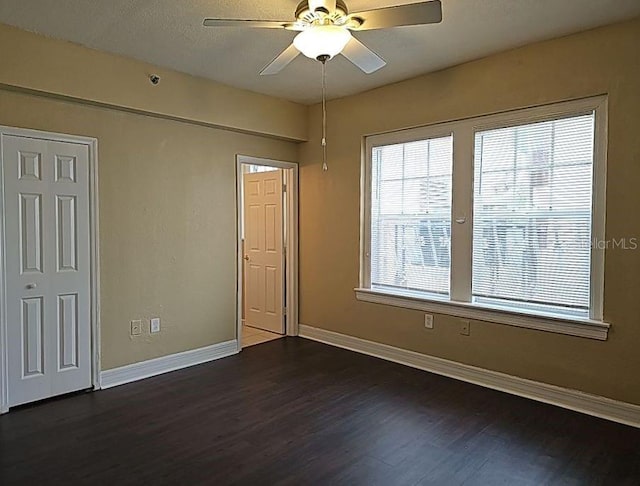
point(136, 327)
point(155, 325)
point(465, 328)
point(428, 321)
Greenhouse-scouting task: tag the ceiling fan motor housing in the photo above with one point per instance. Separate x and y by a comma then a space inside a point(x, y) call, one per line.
point(304, 13)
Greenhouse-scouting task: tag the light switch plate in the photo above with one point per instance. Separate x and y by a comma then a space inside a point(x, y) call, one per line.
point(155, 324)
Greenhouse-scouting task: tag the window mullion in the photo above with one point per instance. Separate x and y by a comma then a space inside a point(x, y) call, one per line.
point(462, 213)
point(366, 190)
point(598, 210)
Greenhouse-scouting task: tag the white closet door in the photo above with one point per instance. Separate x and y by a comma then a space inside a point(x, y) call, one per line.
point(47, 272)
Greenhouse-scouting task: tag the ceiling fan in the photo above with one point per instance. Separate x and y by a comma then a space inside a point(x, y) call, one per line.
point(324, 30)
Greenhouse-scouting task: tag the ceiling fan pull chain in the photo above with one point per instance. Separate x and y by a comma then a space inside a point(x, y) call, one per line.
point(325, 167)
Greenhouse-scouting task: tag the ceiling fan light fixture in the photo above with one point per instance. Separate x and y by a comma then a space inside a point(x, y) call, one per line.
point(322, 40)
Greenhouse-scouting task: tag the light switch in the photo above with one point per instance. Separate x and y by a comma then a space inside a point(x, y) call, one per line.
point(155, 324)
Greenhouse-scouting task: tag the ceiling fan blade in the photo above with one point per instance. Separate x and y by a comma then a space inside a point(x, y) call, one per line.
point(362, 56)
point(256, 24)
point(412, 14)
point(280, 62)
point(328, 5)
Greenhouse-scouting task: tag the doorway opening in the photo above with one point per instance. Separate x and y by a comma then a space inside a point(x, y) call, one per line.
point(267, 247)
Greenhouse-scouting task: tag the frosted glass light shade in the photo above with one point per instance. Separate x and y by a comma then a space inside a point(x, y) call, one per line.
point(322, 40)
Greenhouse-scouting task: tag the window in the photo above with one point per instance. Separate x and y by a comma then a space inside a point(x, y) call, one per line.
point(411, 215)
point(532, 215)
point(260, 168)
point(491, 218)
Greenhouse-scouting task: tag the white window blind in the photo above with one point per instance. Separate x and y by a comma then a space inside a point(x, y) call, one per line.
point(532, 215)
point(411, 215)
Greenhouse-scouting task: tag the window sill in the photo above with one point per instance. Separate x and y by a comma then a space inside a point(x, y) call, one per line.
point(585, 328)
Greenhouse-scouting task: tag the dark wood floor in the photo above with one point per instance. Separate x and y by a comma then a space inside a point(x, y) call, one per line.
point(293, 411)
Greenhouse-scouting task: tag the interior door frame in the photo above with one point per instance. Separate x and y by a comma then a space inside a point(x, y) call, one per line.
point(291, 254)
point(94, 254)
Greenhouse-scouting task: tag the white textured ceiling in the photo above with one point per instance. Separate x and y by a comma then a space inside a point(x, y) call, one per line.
point(169, 33)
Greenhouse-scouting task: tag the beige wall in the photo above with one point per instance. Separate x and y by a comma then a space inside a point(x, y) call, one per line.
point(167, 192)
point(601, 61)
point(167, 221)
point(61, 68)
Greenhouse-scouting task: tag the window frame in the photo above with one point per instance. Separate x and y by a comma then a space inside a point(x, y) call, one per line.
point(460, 300)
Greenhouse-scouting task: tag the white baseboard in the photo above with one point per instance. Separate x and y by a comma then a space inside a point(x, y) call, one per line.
point(625, 413)
point(165, 364)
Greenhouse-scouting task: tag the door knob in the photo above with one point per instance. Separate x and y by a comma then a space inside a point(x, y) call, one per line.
point(246, 257)
point(31, 286)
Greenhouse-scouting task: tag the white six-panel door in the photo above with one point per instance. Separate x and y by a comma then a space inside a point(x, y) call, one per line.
point(264, 250)
point(47, 267)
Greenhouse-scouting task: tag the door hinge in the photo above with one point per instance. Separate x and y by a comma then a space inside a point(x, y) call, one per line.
point(284, 188)
point(284, 311)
